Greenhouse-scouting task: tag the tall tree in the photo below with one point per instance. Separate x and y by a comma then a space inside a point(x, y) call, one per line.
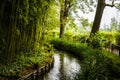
point(100, 8)
point(98, 16)
point(64, 11)
point(68, 7)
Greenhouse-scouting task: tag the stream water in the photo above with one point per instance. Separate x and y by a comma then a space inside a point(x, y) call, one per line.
point(66, 67)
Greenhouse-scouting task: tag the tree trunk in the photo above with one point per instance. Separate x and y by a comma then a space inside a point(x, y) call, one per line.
point(62, 30)
point(62, 23)
point(65, 7)
point(98, 16)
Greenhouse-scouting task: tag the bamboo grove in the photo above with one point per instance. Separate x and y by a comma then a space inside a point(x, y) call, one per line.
point(22, 25)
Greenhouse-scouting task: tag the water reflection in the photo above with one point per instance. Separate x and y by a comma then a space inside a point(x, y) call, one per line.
point(65, 67)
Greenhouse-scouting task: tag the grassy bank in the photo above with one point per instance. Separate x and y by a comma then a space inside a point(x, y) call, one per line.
point(96, 64)
point(25, 64)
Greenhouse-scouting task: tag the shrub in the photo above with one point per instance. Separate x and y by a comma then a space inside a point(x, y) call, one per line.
point(95, 67)
point(96, 64)
point(81, 37)
point(96, 41)
point(117, 36)
point(66, 45)
point(109, 36)
point(27, 62)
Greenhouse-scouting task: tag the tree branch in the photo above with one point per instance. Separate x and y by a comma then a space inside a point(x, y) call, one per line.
point(116, 7)
point(111, 5)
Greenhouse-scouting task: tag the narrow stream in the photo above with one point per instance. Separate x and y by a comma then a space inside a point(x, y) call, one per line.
point(66, 67)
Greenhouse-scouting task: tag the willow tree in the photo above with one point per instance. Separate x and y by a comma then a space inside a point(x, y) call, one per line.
point(99, 12)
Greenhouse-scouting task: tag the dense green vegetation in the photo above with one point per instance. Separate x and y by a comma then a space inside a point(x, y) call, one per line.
point(29, 28)
point(23, 26)
point(96, 63)
point(25, 64)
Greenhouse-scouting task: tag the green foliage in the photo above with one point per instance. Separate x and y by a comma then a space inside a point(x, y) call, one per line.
point(99, 67)
point(84, 22)
point(100, 38)
point(75, 48)
point(109, 37)
point(69, 35)
point(112, 37)
point(96, 40)
point(117, 36)
point(33, 60)
point(95, 64)
point(23, 26)
point(81, 37)
point(71, 26)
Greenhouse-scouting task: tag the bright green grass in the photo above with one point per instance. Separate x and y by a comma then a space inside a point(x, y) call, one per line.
point(96, 64)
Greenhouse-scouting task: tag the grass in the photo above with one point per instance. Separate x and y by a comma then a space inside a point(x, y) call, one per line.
point(70, 47)
point(25, 64)
point(96, 64)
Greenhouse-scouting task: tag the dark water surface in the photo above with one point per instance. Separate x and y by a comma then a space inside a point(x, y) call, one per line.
point(66, 67)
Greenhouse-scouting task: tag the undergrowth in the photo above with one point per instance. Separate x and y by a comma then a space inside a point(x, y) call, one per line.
point(26, 63)
point(97, 64)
